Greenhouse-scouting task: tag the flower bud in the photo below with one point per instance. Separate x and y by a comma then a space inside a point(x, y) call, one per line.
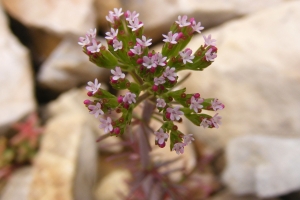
point(120, 99)
point(87, 102)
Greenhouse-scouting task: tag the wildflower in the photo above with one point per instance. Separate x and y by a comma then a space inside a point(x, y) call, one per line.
point(129, 98)
point(106, 125)
point(117, 44)
point(209, 56)
point(170, 73)
point(117, 73)
point(161, 136)
point(96, 109)
point(135, 24)
point(186, 56)
point(179, 148)
point(117, 13)
point(92, 33)
point(197, 27)
point(188, 139)
point(216, 120)
point(149, 62)
point(95, 47)
point(93, 87)
point(159, 80)
point(160, 103)
point(170, 38)
point(182, 21)
point(111, 35)
point(131, 16)
point(144, 42)
point(159, 59)
point(217, 105)
point(174, 113)
point(110, 17)
point(137, 50)
point(196, 103)
point(205, 123)
point(84, 41)
point(208, 41)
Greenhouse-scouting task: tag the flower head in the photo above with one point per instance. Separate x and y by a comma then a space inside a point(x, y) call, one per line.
point(94, 47)
point(110, 17)
point(197, 27)
point(84, 41)
point(96, 110)
point(216, 120)
point(182, 21)
point(172, 38)
point(93, 87)
point(117, 44)
point(188, 139)
point(112, 34)
point(106, 125)
point(161, 136)
point(205, 123)
point(135, 24)
point(117, 12)
point(137, 50)
point(160, 103)
point(186, 56)
point(117, 73)
point(210, 56)
point(92, 33)
point(159, 59)
point(144, 42)
point(170, 74)
point(179, 148)
point(159, 80)
point(196, 104)
point(129, 98)
point(217, 105)
point(208, 41)
point(175, 113)
point(149, 62)
point(131, 16)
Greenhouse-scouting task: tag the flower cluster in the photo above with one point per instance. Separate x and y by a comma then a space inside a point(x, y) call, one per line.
point(154, 74)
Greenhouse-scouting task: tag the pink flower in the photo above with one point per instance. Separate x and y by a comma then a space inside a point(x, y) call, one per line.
point(106, 125)
point(92, 33)
point(117, 73)
point(117, 13)
point(129, 98)
point(110, 17)
point(149, 62)
point(159, 80)
point(170, 74)
point(182, 21)
point(217, 105)
point(186, 55)
point(130, 16)
point(84, 41)
point(144, 42)
point(93, 87)
point(137, 50)
point(159, 59)
point(94, 47)
point(209, 56)
point(161, 136)
point(179, 148)
point(96, 109)
point(196, 104)
point(170, 37)
point(216, 120)
point(205, 123)
point(188, 139)
point(117, 44)
point(208, 41)
point(174, 113)
point(111, 35)
point(135, 25)
point(197, 27)
point(160, 103)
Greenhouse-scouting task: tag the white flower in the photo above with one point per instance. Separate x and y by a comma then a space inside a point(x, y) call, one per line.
point(84, 41)
point(170, 37)
point(106, 125)
point(117, 13)
point(137, 50)
point(111, 35)
point(186, 56)
point(205, 123)
point(188, 139)
point(217, 105)
point(160, 103)
point(159, 59)
point(93, 87)
point(144, 42)
point(96, 109)
point(160, 136)
point(208, 41)
point(117, 44)
point(129, 98)
point(174, 113)
point(159, 80)
point(92, 33)
point(209, 56)
point(149, 62)
point(110, 17)
point(131, 15)
point(197, 27)
point(170, 74)
point(182, 21)
point(117, 73)
point(135, 25)
point(216, 120)
point(196, 104)
point(94, 47)
point(179, 148)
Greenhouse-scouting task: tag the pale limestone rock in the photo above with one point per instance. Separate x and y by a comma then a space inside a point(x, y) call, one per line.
point(263, 165)
point(17, 187)
point(60, 17)
point(68, 67)
point(16, 93)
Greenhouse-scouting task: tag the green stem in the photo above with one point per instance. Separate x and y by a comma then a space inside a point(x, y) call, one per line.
point(136, 78)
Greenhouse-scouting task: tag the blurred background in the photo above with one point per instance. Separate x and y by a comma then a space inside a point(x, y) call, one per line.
point(47, 145)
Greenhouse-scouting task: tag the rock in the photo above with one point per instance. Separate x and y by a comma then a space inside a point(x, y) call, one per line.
point(68, 67)
point(259, 88)
point(17, 188)
point(103, 7)
point(60, 17)
point(227, 195)
point(16, 93)
point(263, 165)
point(112, 185)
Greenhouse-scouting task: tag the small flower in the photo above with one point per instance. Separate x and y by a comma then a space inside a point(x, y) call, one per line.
point(205, 123)
point(135, 25)
point(92, 33)
point(208, 41)
point(96, 109)
point(159, 81)
point(93, 87)
point(110, 17)
point(174, 113)
point(216, 120)
point(106, 125)
point(161, 136)
point(84, 41)
point(137, 50)
point(111, 35)
point(182, 21)
point(209, 56)
point(117, 73)
point(144, 42)
point(186, 56)
point(149, 62)
point(159, 59)
point(196, 104)
point(160, 103)
point(131, 16)
point(129, 98)
point(170, 73)
point(117, 44)
point(179, 148)
point(217, 105)
point(170, 37)
point(197, 27)
point(117, 13)
point(188, 139)
point(95, 47)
